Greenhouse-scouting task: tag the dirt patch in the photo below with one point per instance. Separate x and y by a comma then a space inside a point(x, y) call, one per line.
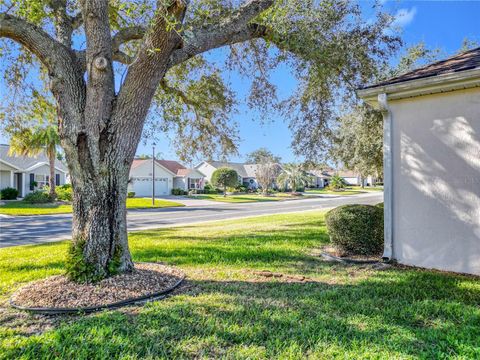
point(284, 277)
point(60, 292)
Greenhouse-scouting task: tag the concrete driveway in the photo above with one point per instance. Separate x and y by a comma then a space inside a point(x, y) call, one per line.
point(22, 230)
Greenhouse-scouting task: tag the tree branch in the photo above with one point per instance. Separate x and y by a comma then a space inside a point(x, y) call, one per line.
point(49, 51)
point(77, 21)
point(126, 35)
point(123, 36)
point(235, 29)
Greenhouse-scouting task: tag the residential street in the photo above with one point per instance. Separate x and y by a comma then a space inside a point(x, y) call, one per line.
point(22, 230)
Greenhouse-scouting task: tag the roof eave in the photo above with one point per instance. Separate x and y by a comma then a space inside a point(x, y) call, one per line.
point(424, 86)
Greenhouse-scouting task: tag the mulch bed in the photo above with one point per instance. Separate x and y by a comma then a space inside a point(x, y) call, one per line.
point(60, 292)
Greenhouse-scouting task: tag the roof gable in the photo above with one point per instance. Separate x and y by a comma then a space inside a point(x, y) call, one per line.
point(24, 163)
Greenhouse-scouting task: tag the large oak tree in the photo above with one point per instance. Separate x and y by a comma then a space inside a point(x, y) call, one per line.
point(107, 62)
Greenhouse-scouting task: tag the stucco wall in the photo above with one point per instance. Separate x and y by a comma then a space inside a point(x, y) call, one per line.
point(180, 183)
point(206, 169)
point(436, 181)
point(4, 179)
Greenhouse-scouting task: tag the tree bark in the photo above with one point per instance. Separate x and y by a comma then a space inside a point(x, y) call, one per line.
point(51, 180)
point(99, 229)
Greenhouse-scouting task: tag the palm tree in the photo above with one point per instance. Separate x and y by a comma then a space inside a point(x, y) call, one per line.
point(32, 142)
point(293, 175)
point(337, 182)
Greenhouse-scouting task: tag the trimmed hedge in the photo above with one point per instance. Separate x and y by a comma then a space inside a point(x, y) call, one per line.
point(8, 193)
point(356, 229)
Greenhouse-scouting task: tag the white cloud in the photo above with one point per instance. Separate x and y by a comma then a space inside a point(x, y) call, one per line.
point(403, 17)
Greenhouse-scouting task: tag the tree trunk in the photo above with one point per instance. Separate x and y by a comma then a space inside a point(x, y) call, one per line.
point(99, 230)
point(51, 181)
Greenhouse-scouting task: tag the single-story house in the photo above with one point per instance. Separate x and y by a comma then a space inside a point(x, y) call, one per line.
point(432, 163)
point(168, 175)
point(321, 178)
point(26, 173)
point(246, 172)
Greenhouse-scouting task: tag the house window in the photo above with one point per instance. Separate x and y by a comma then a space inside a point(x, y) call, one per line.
point(193, 183)
point(57, 179)
point(32, 182)
point(41, 180)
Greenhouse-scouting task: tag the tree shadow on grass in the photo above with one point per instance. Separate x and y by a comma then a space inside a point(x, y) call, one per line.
point(404, 314)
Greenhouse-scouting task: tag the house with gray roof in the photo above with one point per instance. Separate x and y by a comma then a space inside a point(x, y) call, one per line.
point(26, 173)
point(246, 172)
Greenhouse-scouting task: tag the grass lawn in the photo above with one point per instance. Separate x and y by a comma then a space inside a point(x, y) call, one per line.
point(351, 190)
point(331, 192)
point(23, 208)
point(226, 311)
point(238, 198)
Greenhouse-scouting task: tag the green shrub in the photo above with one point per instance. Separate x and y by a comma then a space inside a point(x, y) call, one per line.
point(8, 193)
point(64, 192)
point(356, 229)
point(178, 191)
point(380, 205)
point(38, 197)
point(209, 189)
point(131, 194)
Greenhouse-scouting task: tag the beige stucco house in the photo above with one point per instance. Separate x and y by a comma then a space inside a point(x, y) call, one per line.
point(432, 164)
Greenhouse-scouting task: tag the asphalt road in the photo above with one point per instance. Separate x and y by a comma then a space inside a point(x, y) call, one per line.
point(22, 230)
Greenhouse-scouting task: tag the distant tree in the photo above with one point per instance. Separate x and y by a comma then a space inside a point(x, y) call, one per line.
point(357, 141)
point(225, 177)
point(468, 44)
point(32, 142)
point(293, 176)
point(262, 155)
point(266, 174)
point(33, 130)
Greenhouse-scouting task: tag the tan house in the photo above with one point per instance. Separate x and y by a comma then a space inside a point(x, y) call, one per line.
point(432, 164)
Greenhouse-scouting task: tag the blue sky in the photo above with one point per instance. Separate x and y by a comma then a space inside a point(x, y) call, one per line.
point(440, 24)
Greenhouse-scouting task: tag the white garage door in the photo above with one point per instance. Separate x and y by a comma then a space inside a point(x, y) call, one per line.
point(143, 186)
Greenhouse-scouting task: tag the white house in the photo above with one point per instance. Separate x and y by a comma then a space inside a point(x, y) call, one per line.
point(168, 175)
point(432, 164)
point(26, 173)
point(321, 178)
point(246, 172)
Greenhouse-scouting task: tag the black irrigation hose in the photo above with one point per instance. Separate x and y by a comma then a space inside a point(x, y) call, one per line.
point(348, 260)
point(63, 311)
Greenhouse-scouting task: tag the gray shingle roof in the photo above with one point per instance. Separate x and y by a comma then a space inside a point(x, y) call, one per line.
point(465, 61)
point(25, 162)
point(238, 167)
